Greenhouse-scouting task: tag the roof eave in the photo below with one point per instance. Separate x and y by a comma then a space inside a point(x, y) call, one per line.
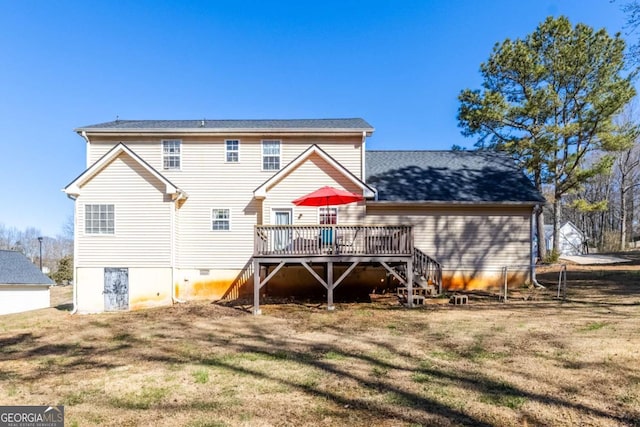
point(218, 131)
point(442, 203)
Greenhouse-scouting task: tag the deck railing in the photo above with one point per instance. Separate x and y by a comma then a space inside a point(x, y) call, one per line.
point(428, 268)
point(301, 240)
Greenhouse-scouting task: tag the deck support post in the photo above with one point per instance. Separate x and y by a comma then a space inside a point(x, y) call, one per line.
point(330, 286)
point(410, 283)
point(256, 288)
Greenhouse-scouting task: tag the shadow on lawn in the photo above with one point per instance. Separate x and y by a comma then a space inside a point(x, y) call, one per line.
point(617, 287)
point(220, 352)
point(64, 307)
point(424, 408)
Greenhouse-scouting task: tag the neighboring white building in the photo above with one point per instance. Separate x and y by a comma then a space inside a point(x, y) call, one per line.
point(572, 239)
point(171, 210)
point(22, 286)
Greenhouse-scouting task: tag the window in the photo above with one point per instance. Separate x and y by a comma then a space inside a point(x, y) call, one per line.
point(220, 219)
point(99, 219)
point(232, 151)
point(270, 155)
point(328, 215)
point(171, 154)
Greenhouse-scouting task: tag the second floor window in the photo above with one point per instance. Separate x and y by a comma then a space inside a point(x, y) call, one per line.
point(270, 155)
point(220, 219)
point(171, 149)
point(232, 151)
point(99, 219)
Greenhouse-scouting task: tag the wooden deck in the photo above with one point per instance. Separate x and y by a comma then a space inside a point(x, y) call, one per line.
point(332, 240)
point(391, 246)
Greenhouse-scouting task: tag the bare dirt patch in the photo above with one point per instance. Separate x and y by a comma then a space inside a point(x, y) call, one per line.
point(534, 360)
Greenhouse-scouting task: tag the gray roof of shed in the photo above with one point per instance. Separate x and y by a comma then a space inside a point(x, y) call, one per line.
point(16, 269)
point(448, 177)
point(203, 124)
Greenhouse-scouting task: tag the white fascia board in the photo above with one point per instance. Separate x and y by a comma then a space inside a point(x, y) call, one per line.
point(73, 189)
point(261, 192)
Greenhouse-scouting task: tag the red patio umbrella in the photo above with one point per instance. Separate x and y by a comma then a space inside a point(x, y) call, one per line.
point(327, 196)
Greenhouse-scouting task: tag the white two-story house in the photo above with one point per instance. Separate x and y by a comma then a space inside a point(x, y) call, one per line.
point(173, 210)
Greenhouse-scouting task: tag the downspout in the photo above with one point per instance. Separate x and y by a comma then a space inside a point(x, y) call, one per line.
point(174, 298)
point(531, 258)
point(84, 135)
point(363, 175)
point(86, 138)
point(75, 254)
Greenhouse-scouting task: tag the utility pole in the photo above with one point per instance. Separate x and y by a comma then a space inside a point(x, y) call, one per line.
point(40, 241)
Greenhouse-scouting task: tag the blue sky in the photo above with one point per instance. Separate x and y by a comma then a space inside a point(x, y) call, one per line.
point(398, 64)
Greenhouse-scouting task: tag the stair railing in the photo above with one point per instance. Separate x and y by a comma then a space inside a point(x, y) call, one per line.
point(427, 267)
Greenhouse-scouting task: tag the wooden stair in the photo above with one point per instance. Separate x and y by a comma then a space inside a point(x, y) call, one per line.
point(427, 278)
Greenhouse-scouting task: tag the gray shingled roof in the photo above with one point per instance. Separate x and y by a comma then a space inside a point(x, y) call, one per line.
point(328, 124)
point(448, 176)
point(16, 269)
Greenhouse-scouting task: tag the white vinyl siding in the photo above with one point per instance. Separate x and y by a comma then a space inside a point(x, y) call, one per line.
point(346, 150)
point(99, 219)
point(271, 155)
point(465, 238)
point(232, 153)
point(143, 228)
point(211, 182)
point(309, 176)
point(171, 154)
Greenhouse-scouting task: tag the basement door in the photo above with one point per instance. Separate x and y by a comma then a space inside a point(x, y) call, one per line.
point(116, 289)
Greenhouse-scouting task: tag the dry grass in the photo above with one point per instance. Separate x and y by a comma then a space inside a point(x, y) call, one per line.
point(533, 361)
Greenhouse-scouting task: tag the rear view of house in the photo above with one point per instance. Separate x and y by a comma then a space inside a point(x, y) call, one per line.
point(23, 287)
point(175, 210)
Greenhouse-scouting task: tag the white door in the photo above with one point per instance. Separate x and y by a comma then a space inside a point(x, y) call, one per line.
point(282, 238)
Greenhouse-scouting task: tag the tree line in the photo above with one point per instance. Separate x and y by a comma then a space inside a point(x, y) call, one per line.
point(558, 101)
point(57, 252)
point(607, 208)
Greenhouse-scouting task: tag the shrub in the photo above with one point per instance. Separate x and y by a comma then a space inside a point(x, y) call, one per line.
point(551, 257)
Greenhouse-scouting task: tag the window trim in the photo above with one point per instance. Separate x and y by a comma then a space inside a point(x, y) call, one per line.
point(219, 208)
point(262, 156)
point(320, 208)
point(84, 227)
point(162, 154)
point(226, 150)
point(275, 210)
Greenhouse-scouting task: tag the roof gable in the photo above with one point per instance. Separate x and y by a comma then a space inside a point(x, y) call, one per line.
point(16, 269)
point(565, 229)
point(74, 188)
point(261, 191)
point(448, 177)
